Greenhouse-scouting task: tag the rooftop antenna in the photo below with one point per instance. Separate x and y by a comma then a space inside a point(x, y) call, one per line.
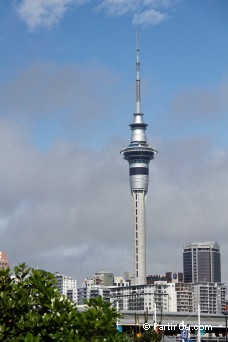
point(137, 74)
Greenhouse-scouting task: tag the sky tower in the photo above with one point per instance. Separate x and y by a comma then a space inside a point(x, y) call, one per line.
point(139, 154)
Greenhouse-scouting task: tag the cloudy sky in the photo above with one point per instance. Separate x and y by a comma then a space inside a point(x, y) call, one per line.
point(67, 95)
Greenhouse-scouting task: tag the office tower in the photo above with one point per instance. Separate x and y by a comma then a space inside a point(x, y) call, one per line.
point(4, 263)
point(201, 261)
point(138, 154)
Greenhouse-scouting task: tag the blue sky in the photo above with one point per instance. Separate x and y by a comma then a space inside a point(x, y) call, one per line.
point(183, 54)
point(67, 95)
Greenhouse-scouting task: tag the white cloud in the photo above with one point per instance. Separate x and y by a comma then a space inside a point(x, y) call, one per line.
point(48, 13)
point(161, 3)
point(44, 13)
point(200, 104)
point(149, 17)
point(144, 12)
point(119, 7)
point(48, 89)
point(70, 209)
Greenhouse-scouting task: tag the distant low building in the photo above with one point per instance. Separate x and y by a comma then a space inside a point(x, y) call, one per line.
point(94, 291)
point(4, 263)
point(103, 278)
point(120, 281)
point(151, 278)
point(144, 297)
point(99, 286)
point(87, 282)
point(174, 277)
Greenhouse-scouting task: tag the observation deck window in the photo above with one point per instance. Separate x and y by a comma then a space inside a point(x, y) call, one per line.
point(133, 161)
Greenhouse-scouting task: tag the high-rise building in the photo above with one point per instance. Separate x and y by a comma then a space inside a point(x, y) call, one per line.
point(210, 296)
point(4, 263)
point(184, 297)
point(67, 286)
point(139, 154)
point(201, 262)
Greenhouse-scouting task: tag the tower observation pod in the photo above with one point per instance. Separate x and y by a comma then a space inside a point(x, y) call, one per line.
point(139, 154)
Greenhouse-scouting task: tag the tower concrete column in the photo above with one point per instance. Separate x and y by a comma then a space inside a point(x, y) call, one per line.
point(139, 217)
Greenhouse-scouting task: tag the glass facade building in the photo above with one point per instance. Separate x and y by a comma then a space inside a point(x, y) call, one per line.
point(201, 262)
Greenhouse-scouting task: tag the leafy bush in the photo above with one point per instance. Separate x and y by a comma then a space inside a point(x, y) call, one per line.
point(32, 310)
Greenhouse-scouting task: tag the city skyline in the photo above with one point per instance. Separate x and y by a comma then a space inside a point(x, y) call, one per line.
point(67, 93)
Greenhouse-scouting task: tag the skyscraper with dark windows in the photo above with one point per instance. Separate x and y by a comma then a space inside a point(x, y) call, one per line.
point(201, 262)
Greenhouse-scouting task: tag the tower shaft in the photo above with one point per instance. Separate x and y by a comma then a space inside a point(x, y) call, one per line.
point(139, 218)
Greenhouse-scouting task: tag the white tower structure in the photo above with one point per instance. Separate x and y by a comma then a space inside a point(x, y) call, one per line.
point(138, 154)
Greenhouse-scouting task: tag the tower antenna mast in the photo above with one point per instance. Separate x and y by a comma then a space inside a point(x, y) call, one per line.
point(137, 74)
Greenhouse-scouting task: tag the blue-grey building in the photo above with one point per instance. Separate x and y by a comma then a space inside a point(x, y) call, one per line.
point(201, 262)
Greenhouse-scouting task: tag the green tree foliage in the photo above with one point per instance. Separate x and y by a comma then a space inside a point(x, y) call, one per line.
point(32, 310)
point(99, 321)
